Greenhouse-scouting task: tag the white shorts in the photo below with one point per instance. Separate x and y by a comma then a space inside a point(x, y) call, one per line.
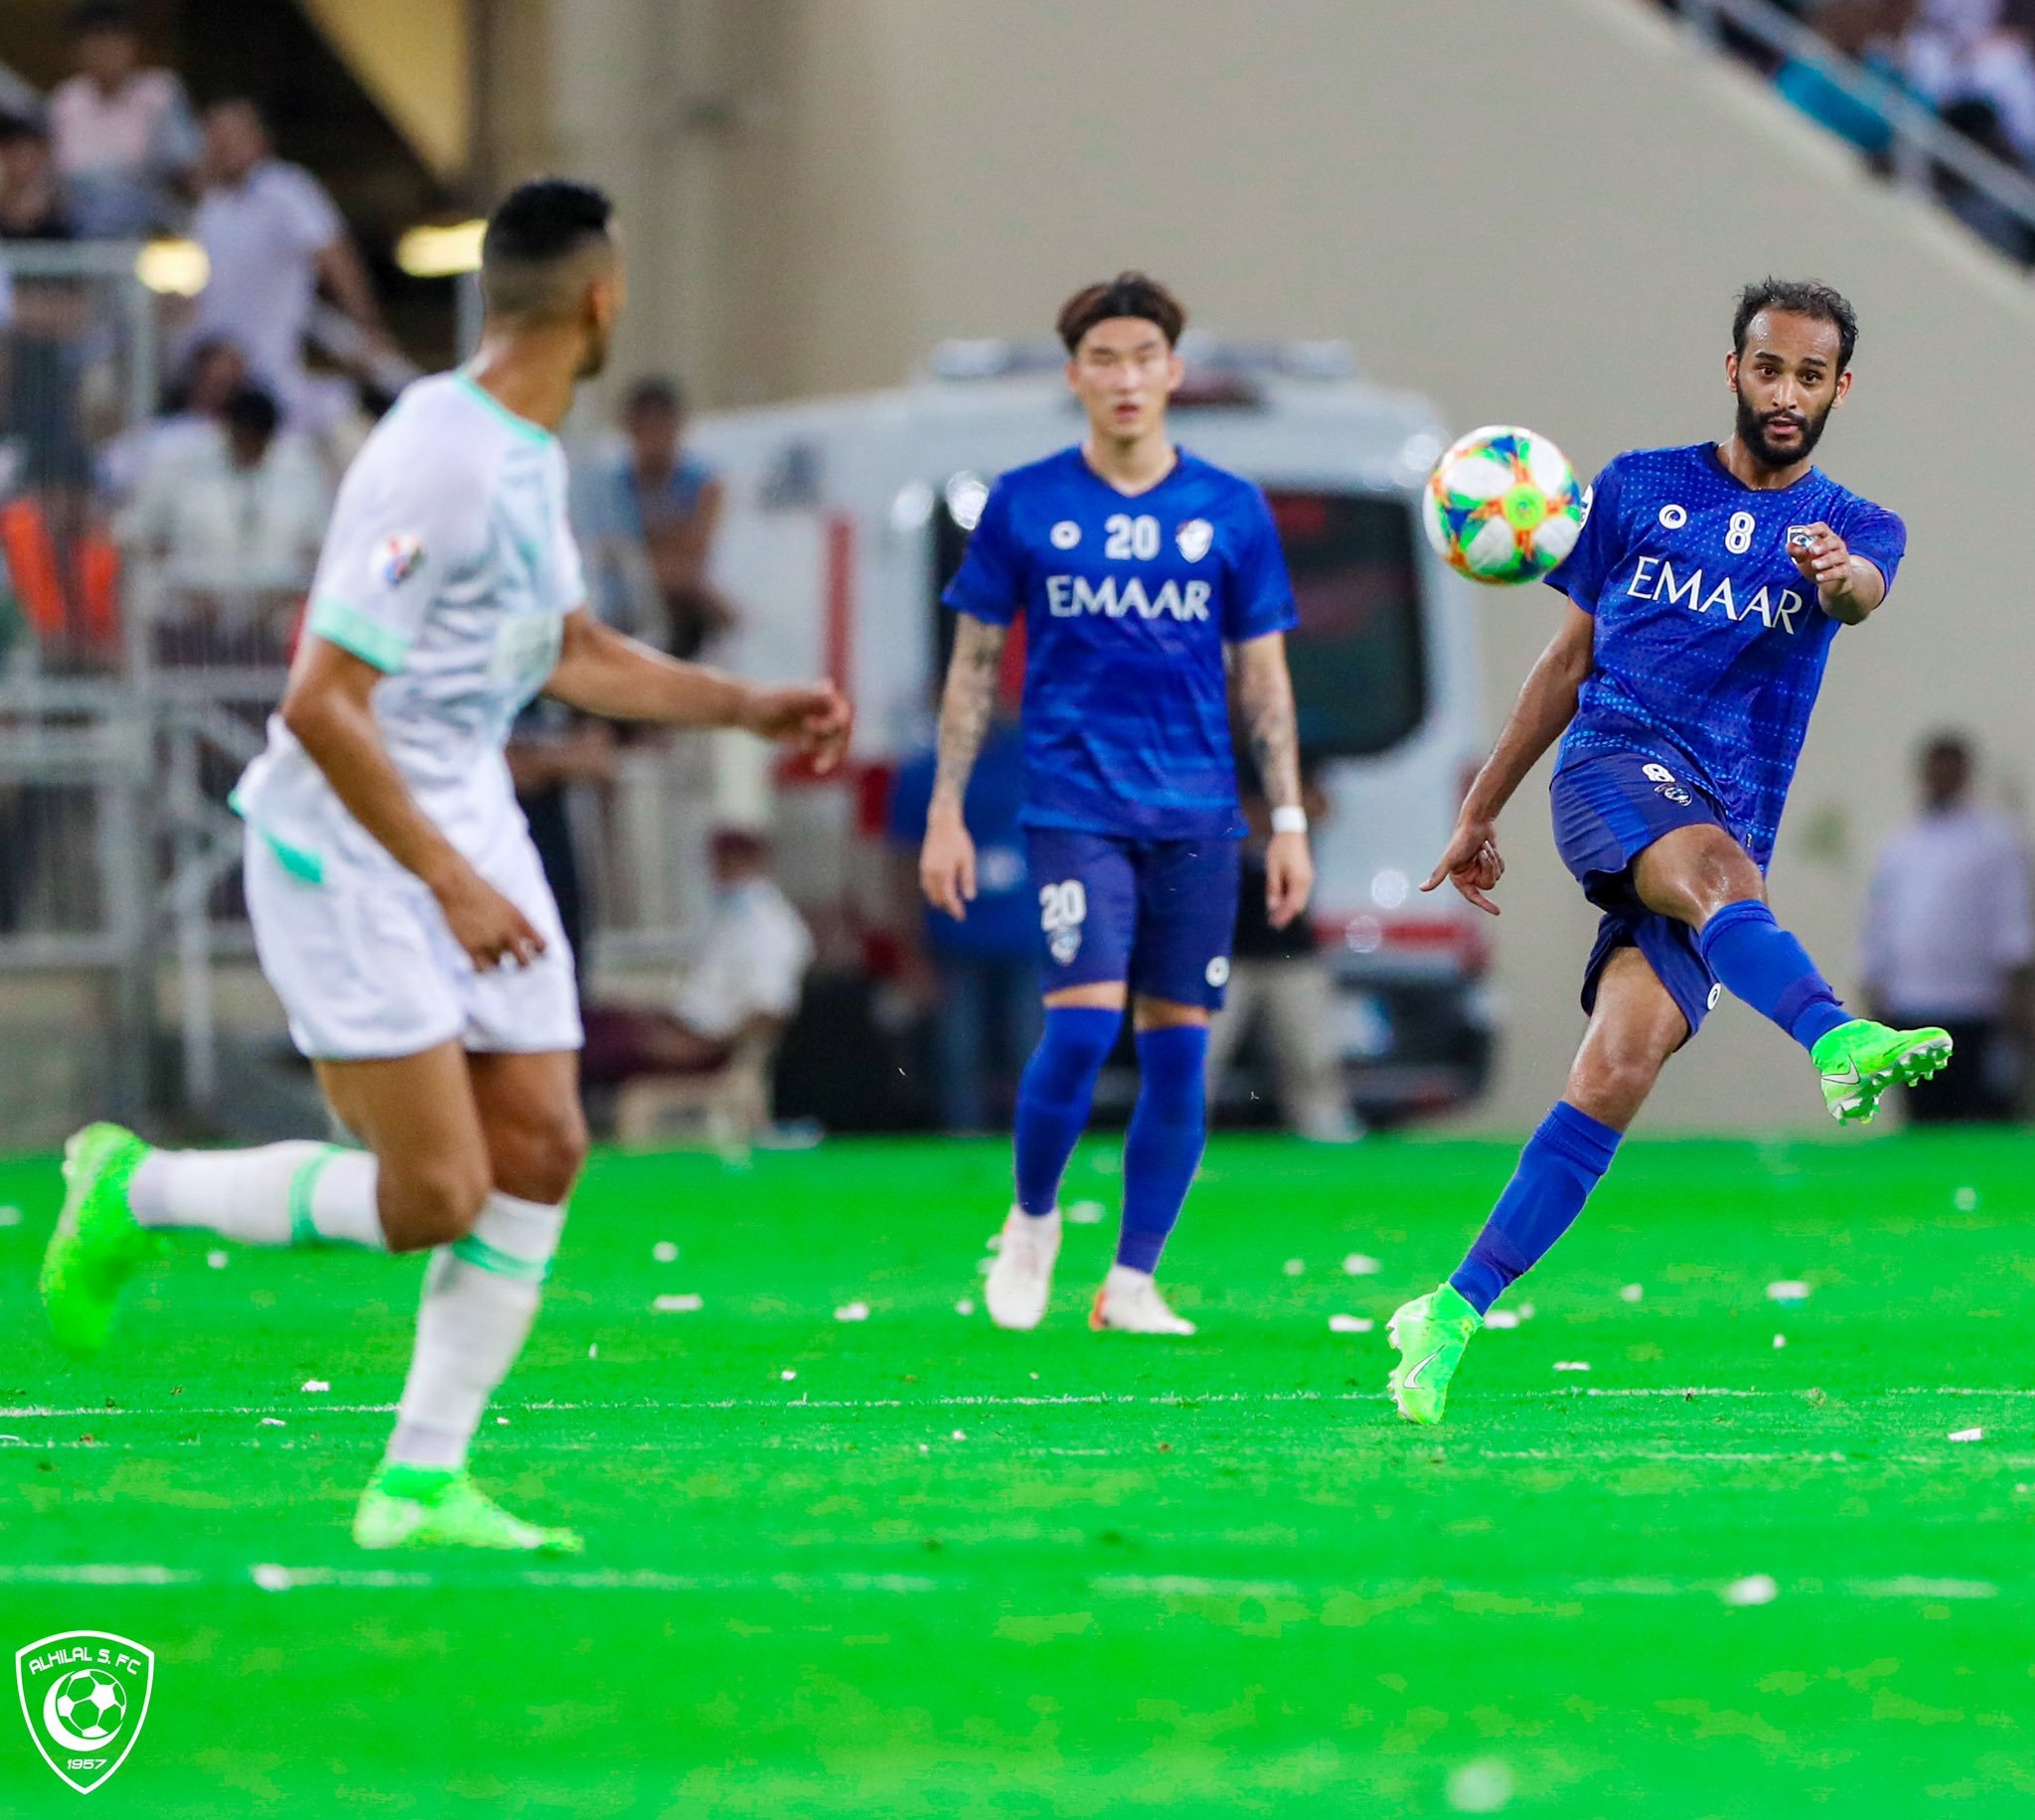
point(368, 969)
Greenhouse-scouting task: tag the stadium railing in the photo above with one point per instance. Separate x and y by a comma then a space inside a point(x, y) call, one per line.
point(1923, 150)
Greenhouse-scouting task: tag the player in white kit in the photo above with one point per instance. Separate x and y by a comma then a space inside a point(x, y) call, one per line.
point(398, 903)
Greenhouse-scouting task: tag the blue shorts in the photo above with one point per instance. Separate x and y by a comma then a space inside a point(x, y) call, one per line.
point(1609, 809)
point(1156, 914)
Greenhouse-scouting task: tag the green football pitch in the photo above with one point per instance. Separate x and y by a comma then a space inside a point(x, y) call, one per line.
point(1658, 1563)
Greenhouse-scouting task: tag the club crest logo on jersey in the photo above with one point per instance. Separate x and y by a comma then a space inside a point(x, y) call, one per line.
point(84, 1695)
point(398, 557)
point(1065, 534)
point(1194, 537)
point(1673, 518)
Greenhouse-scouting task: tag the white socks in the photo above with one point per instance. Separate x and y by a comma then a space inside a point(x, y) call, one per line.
point(294, 1193)
point(480, 1298)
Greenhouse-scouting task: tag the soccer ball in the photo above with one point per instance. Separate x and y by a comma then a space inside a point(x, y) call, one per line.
point(92, 1705)
point(1503, 505)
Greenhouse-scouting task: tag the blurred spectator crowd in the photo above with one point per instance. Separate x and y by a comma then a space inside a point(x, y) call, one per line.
point(220, 497)
point(1972, 62)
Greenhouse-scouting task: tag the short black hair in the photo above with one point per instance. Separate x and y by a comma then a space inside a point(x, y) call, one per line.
point(654, 391)
point(101, 16)
point(253, 409)
point(535, 228)
point(1796, 297)
point(1127, 294)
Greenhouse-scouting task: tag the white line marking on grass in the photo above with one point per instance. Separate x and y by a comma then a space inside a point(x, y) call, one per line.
point(98, 1574)
point(1191, 1585)
point(1910, 1586)
point(272, 1577)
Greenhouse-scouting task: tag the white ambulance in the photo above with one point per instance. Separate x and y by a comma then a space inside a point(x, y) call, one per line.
point(845, 516)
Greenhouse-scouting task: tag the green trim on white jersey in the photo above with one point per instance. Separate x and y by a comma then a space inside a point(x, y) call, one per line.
point(352, 630)
point(521, 425)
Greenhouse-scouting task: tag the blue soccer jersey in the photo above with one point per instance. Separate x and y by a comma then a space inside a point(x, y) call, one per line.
point(1710, 646)
point(1127, 601)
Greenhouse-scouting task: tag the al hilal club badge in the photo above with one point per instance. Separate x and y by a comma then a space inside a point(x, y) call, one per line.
point(84, 1695)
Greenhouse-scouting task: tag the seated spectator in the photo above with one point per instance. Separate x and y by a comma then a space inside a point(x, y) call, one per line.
point(652, 513)
point(236, 533)
point(30, 196)
point(1949, 939)
point(985, 981)
point(745, 982)
point(273, 238)
point(1996, 67)
point(1866, 33)
point(125, 141)
point(186, 430)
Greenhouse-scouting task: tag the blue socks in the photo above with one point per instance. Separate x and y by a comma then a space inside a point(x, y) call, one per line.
point(1053, 1099)
point(1169, 1125)
point(1163, 1149)
point(1762, 963)
point(1562, 1162)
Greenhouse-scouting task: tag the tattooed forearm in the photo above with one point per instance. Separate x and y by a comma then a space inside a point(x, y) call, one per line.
point(1265, 695)
point(966, 703)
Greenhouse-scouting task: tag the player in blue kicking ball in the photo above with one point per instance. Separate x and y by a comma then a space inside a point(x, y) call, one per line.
point(1141, 571)
point(1704, 594)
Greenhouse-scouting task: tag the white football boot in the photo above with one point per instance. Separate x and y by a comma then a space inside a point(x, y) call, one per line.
point(1021, 1281)
point(1130, 1303)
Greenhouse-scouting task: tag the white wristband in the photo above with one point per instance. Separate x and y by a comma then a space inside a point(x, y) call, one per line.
point(1288, 819)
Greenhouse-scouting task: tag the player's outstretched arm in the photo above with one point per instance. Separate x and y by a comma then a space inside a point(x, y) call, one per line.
point(1545, 706)
point(1264, 695)
point(605, 672)
point(946, 863)
point(1848, 587)
point(327, 708)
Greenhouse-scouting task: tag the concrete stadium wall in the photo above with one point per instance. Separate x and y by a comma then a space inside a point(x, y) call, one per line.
point(1533, 209)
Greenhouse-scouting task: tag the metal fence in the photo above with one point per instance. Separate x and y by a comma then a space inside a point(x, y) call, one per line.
point(136, 674)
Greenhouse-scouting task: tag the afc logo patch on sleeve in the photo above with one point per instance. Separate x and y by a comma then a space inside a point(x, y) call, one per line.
point(396, 558)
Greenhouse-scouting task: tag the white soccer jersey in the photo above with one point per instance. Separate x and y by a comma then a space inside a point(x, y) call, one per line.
point(449, 566)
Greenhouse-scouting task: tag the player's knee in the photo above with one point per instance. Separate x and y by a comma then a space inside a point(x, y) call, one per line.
point(539, 1160)
point(432, 1204)
point(1612, 1083)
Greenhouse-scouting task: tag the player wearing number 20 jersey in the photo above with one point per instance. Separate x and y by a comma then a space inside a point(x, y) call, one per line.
point(1140, 572)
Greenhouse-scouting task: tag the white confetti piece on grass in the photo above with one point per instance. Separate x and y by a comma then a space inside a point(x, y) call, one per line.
point(788, 1375)
point(1294, 1267)
point(1526, 1310)
point(1753, 1590)
point(1966, 1200)
point(10, 1216)
point(1350, 1323)
point(501, 1422)
point(316, 1386)
point(1780, 1340)
point(665, 1252)
point(217, 1259)
point(1500, 1317)
point(593, 1351)
point(273, 1421)
point(1357, 1264)
point(1481, 1788)
point(674, 1304)
point(1967, 1435)
point(960, 1434)
point(1086, 1213)
point(1633, 1292)
point(854, 1310)
point(1572, 1364)
point(1787, 1290)
point(966, 1306)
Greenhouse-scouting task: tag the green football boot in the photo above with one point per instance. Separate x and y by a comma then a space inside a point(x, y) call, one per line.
point(1429, 1334)
point(1861, 1059)
point(97, 1246)
point(442, 1507)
